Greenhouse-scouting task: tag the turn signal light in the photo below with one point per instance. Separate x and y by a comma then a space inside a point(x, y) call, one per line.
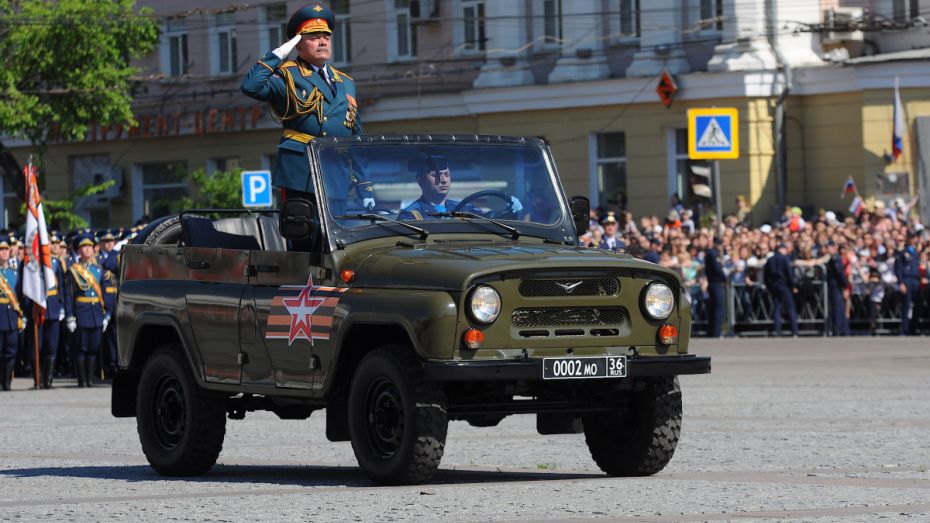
point(347, 275)
point(668, 334)
point(473, 339)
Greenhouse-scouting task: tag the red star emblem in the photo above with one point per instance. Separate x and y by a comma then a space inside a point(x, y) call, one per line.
point(301, 309)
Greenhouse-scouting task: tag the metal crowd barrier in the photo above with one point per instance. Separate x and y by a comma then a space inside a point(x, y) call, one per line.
point(749, 309)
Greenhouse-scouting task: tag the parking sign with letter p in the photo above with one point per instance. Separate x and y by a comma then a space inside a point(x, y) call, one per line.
point(256, 188)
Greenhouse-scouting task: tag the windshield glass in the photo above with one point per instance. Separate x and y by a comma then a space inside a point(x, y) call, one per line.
point(430, 183)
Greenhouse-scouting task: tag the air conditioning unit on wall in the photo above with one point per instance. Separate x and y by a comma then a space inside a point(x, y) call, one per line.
point(840, 24)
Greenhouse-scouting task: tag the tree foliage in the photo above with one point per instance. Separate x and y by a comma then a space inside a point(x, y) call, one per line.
point(66, 63)
point(220, 190)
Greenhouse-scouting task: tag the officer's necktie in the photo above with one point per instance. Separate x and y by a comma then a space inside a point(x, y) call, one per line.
point(328, 81)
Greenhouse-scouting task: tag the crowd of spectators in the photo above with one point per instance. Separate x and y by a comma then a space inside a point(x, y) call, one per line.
point(877, 251)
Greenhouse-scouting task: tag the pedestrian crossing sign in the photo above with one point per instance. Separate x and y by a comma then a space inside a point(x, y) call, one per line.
point(713, 134)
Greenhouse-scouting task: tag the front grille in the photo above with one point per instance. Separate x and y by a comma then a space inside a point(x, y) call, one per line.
point(561, 317)
point(570, 287)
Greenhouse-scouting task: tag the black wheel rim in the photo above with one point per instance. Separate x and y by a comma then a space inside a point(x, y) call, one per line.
point(385, 417)
point(169, 411)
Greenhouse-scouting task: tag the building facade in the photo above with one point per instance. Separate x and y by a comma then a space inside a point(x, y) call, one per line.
point(813, 81)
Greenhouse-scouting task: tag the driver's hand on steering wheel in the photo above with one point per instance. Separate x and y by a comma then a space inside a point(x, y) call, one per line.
point(368, 203)
point(515, 205)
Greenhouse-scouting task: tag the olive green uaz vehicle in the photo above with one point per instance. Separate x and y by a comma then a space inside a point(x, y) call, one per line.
point(458, 293)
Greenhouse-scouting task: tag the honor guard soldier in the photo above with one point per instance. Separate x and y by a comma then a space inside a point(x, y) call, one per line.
point(108, 260)
point(311, 98)
point(86, 315)
point(12, 320)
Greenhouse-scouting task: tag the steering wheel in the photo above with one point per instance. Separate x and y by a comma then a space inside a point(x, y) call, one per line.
point(508, 212)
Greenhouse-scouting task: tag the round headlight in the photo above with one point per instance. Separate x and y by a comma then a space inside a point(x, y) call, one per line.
point(659, 301)
point(485, 304)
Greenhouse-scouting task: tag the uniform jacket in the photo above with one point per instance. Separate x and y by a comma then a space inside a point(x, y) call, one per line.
point(778, 271)
point(109, 262)
point(81, 299)
point(619, 246)
point(906, 265)
point(421, 209)
point(54, 301)
point(9, 318)
point(836, 273)
point(712, 267)
point(308, 108)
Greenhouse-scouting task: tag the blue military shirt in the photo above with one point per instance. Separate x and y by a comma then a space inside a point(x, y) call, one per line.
point(421, 209)
point(308, 108)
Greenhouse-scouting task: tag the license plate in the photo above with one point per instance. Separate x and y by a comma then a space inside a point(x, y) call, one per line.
point(579, 368)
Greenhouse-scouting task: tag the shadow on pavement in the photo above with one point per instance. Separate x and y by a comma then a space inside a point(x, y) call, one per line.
point(307, 476)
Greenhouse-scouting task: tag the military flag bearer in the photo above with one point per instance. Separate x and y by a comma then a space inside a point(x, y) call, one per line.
point(86, 314)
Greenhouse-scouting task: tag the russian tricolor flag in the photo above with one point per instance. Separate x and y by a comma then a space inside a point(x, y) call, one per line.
point(897, 139)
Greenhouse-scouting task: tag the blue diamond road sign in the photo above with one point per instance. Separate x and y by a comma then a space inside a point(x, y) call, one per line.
point(256, 188)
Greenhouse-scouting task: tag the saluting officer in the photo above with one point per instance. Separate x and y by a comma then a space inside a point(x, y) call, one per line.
point(907, 269)
point(12, 320)
point(86, 315)
point(108, 261)
point(312, 99)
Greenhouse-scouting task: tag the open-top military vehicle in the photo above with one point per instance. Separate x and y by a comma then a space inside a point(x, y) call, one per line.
point(460, 296)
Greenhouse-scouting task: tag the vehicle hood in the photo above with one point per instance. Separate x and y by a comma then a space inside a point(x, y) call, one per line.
point(451, 266)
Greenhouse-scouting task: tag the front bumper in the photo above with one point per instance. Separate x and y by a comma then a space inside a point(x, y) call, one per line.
point(531, 369)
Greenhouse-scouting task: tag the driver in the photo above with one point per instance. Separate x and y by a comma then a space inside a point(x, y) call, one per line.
point(435, 181)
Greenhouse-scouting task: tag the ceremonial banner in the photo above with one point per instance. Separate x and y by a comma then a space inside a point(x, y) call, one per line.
point(897, 138)
point(38, 276)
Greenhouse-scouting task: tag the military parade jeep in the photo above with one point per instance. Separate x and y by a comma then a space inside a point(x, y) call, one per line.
point(460, 295)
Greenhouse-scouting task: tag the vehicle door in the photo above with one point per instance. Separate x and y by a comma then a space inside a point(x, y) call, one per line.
point(286, 310)
point(216, 280)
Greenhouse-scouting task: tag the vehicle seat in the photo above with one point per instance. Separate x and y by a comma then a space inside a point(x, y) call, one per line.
point(228, 233)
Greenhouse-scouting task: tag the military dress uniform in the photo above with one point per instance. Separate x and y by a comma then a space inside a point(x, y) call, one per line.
point(907, 270)
point(12, 320)
point(109, 262)
point(50, 329)
point(311, 102)
point(84, 305)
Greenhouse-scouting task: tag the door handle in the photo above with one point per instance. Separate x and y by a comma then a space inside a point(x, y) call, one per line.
point(198, 265)
point(255, 269)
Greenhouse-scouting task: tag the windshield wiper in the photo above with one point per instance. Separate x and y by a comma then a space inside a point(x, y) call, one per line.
point(378, 218)
point(514, 233)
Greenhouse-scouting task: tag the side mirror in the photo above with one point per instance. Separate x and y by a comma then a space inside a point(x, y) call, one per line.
point(296, 219)
point(581, 213)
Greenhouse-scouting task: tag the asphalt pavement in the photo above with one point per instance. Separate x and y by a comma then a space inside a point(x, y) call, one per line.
point(808, 429)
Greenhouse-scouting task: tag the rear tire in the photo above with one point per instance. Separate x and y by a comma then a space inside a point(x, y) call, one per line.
point(167, 232)
point(640, 438)
point(397, 423)
point(181, 426)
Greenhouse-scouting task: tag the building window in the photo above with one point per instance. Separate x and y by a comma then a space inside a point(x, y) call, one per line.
point(611, 169)
point(552, 21)
point(274, 31)
point(404, 32)
point(223, 164)
point(174, 48)
point(712, 14)
point(9, 205)
point(629, 18)
point(160, 188)
point(225, 41)
point(905, 10)
point(342, 33)
point(690, 179)
point(475, 35)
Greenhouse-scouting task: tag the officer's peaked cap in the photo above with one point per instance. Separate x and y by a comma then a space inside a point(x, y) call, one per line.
point(107, 235)
point(84, 239)
point(314, 18)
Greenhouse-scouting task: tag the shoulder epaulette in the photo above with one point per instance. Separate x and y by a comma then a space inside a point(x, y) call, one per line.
point(337, 71)
point(289, 63)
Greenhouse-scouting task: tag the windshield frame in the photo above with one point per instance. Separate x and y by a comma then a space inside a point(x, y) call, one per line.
point(562, 231)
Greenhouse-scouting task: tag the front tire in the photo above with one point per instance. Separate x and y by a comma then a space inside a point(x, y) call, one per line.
point(640, 438)
point(397, 423)
point(181, 426)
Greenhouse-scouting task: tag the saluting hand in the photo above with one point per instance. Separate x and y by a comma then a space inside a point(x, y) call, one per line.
point(287, 47)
